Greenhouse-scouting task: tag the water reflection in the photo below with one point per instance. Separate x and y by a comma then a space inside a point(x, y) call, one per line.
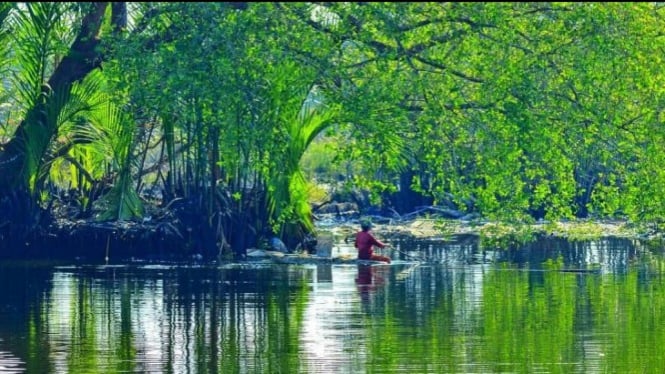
point(460, 309)
point(10, 364)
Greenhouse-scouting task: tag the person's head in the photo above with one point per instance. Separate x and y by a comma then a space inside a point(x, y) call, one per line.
point(365, 224)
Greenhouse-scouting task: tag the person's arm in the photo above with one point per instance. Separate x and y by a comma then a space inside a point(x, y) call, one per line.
point(377, 242)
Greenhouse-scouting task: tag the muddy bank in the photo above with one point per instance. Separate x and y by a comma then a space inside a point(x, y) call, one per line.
point(91, 241)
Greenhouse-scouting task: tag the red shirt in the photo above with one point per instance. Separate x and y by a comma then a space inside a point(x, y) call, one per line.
point(364, 243)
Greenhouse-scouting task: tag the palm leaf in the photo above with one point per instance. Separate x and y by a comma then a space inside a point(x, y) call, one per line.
point(34, 31)
point(35, 39)
point(122, 202)
point(79, 138)
point(96, 131)
point(287, 187)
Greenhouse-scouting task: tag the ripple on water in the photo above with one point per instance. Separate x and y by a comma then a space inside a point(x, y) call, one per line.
point(10, 363)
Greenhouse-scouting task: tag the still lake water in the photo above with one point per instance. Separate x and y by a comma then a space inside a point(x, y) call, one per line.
point(549, 307)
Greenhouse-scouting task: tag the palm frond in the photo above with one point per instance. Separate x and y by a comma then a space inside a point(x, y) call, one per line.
point(122, 202)
point(5, 35)
point(84, 96)
point(287, 189)
point(67, 111)
point(34, 28)
point(92, 129)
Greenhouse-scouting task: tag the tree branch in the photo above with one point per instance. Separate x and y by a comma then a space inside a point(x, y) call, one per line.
point(441, 66)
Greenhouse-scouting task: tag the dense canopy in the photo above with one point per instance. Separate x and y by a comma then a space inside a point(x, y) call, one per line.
point(508, 110)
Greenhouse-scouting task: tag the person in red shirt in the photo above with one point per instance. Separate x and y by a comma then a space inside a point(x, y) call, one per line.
point(364, 242)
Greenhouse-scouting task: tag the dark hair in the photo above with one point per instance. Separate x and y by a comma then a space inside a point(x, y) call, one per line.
point(365, 224)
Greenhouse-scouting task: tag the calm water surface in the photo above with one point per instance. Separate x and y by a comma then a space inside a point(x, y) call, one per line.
point(550, 307)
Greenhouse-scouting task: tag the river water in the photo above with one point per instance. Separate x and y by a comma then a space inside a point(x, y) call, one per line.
point(442, 307)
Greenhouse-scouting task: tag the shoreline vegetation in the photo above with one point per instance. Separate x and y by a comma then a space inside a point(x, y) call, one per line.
point(497, 235)
point(500, 232)
point(164, 238)
point(171, 131)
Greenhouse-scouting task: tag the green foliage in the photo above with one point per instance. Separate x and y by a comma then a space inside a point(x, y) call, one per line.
point(513, 110)
point(553, 264)
point(320, 161)
point(122, 201)
point(37, 32)
point(504, 105)
point(505, 236)
point(288, 200)
point(34, 42)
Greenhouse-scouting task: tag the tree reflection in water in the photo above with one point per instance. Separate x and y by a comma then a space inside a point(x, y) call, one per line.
point(467, 309)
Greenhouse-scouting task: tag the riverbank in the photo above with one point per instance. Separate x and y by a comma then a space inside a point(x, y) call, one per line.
point(167, 239)
point(446, 228)
point(335, 238)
